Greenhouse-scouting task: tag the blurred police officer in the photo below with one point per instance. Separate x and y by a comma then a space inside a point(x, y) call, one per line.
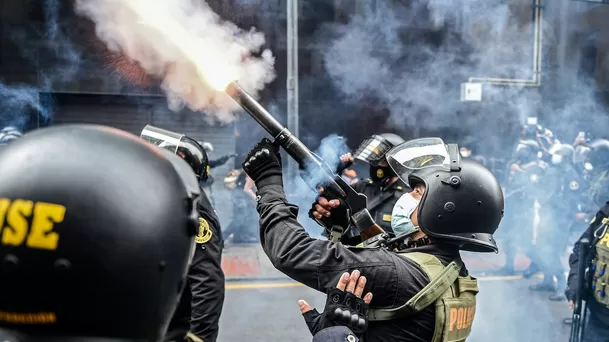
point(383, 188)
point(460, 208)
point(593, 287)
point(97, 236)
point(201, 303)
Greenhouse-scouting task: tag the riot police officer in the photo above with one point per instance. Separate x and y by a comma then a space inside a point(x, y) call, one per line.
point(98, 230)
point(383, 188)
point(525, 172)
point(595, 279)
point(566, 210)
point(207, 185)
point(201, 304)
point(460, 209)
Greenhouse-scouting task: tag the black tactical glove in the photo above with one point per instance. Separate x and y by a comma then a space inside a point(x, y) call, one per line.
point(263, 164)
point(342, 309)
point(338, 216)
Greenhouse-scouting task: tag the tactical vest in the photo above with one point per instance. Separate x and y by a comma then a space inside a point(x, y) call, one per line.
point(600, 277)
point(453, 296)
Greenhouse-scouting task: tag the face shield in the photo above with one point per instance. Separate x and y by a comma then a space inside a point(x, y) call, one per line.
point(372, 150)
point(180, 145)
point(418, 154)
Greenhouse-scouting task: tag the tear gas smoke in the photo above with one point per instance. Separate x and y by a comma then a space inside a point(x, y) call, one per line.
point(55, 61)
point(330, 149)
point(186, 45)
point(67, 58)
point(413, 56)
point(17, 104)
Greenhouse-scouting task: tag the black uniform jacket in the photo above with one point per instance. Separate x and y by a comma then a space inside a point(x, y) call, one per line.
point(202, 299)
point(599, 313)
point(392, 279)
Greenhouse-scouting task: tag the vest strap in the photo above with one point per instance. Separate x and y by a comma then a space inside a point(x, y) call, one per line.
point(428, 295)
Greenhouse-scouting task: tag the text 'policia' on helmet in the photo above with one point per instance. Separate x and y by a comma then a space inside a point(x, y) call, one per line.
point(373, 149)
point(98, 234)
point(463, 201)
point(185, 147)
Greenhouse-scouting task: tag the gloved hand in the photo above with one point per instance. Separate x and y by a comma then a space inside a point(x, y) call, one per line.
point(263, 164)
point(344, 306)
point(330, 212)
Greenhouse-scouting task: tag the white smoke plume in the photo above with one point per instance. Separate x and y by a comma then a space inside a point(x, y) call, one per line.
point(119, 24)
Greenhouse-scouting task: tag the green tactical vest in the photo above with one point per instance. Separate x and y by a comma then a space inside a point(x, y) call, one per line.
point(454, 298)
point(600, 278)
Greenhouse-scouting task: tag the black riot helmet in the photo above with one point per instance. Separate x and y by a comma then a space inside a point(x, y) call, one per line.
point(373, 150)
point(599, 154)
point(185, 147)
point(8, 134)
point(98, 234)
point(463, 201)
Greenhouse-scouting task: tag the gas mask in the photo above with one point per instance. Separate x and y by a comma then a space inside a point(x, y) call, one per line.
point(401, 221)
point(380, 174)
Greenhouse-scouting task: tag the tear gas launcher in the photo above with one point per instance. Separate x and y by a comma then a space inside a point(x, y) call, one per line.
point(315, 172)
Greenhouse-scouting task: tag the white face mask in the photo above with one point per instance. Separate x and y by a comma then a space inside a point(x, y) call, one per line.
point(401, 222)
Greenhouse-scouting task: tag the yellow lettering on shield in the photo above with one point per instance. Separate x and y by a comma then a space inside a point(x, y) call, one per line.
point(204, 231)
point(15, 217)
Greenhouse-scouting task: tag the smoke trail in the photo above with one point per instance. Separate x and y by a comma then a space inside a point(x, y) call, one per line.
point(50, 56)
point(18, 104)
point(66, 56)
point(118, 26)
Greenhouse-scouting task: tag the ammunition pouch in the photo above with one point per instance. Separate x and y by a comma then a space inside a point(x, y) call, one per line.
point(454, 297)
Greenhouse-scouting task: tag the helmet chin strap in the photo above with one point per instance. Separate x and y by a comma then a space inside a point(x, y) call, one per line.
point(410, 243)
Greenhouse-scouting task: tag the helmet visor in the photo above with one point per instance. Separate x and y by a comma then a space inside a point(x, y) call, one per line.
point(162, 138)
point(372, 150)
point(417, 154)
